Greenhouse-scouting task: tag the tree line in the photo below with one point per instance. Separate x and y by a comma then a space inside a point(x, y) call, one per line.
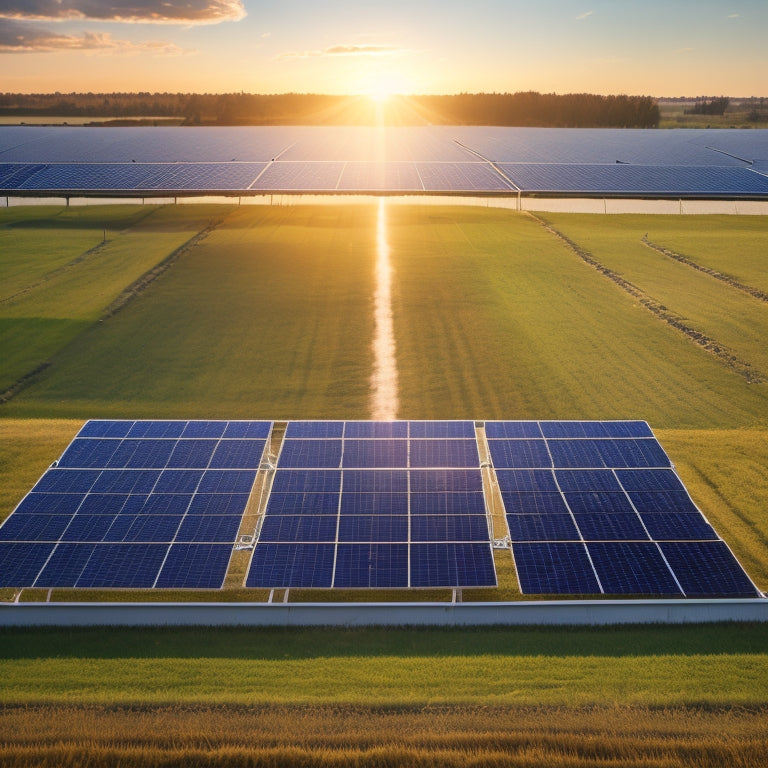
point(504, 109)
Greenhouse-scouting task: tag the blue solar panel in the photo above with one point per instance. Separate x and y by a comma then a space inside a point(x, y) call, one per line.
point(238, 454)
point(112, 504)
point(303, 504)
point(287, 528)
point(310, 454)
point(534, 503)
point(291, 565)
point(198, 566)
point(248, 429)
point(126, 481)
point(674, 526)
point(457, 564)
point(157, 429)
point(218, 504)
point(371, 565)
point(632, 568)
point(65, 565)
point(49, 504)
point(211, 429)
point(441, 429)
point(376, 429)
point(178, 481)
point(616, 527)
point(707, 569)
point(443, 453)
point(166, 504)
point(374, 504)
point(192, 454)
point(526, 480)
point(512, 429)
point(123, 566)
point(314, 429)
point(227, 481)
point(449, 528)
point(20, 562)
point(314, 481)
point(436, 480)
point(448, 503)
point(375, 453)
point(85, 527)
point(599, 502)
point(552, 527)
point(375, 480)
point(88, 452)
point(576, 453)
point(209, 528)
point(98, 428)
point(519, 454)
point(662, 502)
point(381, 528)
point(587, 480)
point(151, 528)
point(576, 429)
point(649, 480)
point(144, 453)
point(35, 527)
point(554, 568)
point(67, 481)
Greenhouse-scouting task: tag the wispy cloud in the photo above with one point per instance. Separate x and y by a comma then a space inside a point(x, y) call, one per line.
point(346, 50)
point(18, 37)
point(734, 15)
point(584, 15)
point(135, 11)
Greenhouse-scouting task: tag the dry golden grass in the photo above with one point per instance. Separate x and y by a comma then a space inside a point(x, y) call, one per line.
point(362, 736)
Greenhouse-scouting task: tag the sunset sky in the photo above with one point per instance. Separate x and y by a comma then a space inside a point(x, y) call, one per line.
point(642, 47)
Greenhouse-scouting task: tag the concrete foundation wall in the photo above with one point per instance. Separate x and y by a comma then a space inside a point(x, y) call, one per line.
point(383, 614)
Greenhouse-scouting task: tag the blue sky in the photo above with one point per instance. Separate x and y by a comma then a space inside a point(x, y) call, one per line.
point(652, 47)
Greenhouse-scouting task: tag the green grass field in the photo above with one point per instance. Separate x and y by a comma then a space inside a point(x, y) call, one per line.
point(256, 312)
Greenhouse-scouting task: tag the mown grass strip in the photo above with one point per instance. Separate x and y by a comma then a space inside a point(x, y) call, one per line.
point(711, 665)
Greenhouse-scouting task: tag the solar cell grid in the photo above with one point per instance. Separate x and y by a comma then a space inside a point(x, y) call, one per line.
point(555, 568)
point(549, 527)
point(195, 566)
point(534, 503)
point(371, 565)
point(627, 568)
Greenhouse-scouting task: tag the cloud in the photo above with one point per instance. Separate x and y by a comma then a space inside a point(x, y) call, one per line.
point(143, 11)
point(734, 15)
point(585, 15)
point(18, 37)
point(346, 50)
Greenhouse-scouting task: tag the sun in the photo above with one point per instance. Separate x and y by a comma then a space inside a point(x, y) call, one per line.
point(381, 87)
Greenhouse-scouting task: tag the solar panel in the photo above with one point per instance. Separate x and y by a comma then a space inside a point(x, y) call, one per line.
point(550, 527)
point(632, 568)
point(447, 564)
point(555, 568)
point(195, 566)
point(371, 565)
point(291, 565)
point(400, 483)
point(707, 569)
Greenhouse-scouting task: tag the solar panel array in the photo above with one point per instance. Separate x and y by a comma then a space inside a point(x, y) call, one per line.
point(591, 508)
point(596, 507)
point(375, 504)
point(423, 159)
point(136, 504)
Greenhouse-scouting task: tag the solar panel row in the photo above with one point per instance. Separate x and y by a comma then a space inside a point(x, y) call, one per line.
point(591, 507)
point(346, 511)
point(136, 504)
point(596, 507)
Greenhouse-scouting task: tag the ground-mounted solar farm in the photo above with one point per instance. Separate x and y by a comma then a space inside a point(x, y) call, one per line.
point(573, 409)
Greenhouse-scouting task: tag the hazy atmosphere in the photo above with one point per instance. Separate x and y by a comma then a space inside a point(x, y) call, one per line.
point(653, 47)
